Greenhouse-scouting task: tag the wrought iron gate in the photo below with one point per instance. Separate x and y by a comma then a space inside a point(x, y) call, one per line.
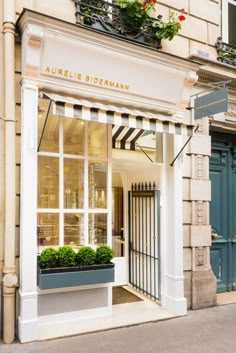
point(144, 239)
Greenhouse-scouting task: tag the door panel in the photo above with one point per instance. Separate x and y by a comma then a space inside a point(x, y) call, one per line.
point(222, 211)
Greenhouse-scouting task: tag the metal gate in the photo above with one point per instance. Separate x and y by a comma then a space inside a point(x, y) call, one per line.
point(144, 239)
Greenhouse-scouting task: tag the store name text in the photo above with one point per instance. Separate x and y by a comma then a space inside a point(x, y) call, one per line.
point(85, 78)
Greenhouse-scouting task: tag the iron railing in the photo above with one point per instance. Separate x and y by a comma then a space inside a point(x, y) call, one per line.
point(108, 17)
point(144, 239)
point(226, 52)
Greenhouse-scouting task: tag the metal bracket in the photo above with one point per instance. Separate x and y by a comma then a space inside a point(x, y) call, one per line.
point(172, 163)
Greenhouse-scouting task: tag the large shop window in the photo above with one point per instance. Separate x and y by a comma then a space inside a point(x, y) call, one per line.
point(72, 182)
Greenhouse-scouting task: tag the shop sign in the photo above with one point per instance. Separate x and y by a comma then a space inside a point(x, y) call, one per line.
point(210, 104)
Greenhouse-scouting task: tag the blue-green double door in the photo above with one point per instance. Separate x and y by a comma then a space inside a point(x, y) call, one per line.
point(223, 211)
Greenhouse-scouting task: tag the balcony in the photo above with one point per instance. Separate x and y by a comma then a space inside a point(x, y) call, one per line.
point(226, 52)
point(110, 18)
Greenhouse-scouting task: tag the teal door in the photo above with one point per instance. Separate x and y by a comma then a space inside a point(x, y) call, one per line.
point(223, 211)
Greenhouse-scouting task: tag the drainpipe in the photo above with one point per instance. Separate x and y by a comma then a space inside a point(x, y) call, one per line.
point(2, 161)
point(9, 276)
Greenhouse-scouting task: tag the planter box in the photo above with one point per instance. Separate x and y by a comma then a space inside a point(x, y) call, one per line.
point(75, 276)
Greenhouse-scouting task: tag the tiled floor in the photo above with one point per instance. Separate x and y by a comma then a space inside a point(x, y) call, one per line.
point(226, 298)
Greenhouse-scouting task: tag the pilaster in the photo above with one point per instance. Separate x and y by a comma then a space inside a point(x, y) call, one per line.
point(174, 299)
point(28, 219)
point(200, 282)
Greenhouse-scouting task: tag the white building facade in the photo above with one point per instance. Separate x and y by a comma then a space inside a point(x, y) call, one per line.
point(100, 120)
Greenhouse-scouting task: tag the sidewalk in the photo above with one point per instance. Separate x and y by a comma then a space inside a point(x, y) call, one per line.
point(209, 330)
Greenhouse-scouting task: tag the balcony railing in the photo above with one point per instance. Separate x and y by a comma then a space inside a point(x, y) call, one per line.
point(107, 17)
point(226, 52)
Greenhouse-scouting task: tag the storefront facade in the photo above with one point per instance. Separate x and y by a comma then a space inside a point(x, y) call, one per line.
point(98, 120)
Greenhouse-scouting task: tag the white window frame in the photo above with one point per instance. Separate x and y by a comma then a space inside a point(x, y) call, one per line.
point(225, 19)
point(85, 210)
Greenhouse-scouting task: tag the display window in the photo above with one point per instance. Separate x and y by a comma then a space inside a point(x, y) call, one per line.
point(72, 182)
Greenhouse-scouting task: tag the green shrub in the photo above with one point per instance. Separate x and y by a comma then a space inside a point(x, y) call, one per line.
point(66, 256)
point(85, 256)
point(48, 258)
point(104, 254)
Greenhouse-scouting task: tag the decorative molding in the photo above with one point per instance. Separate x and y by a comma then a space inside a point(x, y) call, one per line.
point(200, 213)
point(199, 167)
point(35, 36)
point(190, 79)
point(199, 256)
point(223, 155)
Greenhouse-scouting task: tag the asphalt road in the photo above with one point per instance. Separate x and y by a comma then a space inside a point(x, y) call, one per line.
point(211, 330)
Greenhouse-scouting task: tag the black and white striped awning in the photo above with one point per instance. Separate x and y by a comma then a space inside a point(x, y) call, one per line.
point(118, 116)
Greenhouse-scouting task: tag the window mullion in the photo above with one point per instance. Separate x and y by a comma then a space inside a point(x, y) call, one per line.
point(61, 185)
point(86, 191)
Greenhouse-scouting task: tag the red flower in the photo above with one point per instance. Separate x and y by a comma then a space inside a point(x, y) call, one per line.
point(154, 1)
point(182, 10)
point(181, 17)
point(144, 6)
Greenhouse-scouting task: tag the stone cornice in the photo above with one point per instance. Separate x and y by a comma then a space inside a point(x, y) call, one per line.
point(90, 35)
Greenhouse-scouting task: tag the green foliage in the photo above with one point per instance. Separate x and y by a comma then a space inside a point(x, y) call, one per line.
point(66, 256)
point(48, 258)
point(85, 256)
point(104, 254)
point(134, 13)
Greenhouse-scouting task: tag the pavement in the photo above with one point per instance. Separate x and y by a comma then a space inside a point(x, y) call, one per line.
point(201, 331)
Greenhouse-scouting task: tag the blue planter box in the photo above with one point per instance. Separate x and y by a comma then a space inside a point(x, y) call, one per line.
point(75, 276)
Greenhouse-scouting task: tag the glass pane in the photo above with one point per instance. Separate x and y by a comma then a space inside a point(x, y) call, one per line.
point(73, 136)
point(48, 182)
point(97, 229)
point(148, 147)
point(231, 24)
point(48, 229)
point(118, 240)
point(73, 183)
point(48, 131)
point(97, 184)
point(97, 139)
point(73, 229)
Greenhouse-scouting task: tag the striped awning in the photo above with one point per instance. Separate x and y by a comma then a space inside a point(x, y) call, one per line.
point(117, 115)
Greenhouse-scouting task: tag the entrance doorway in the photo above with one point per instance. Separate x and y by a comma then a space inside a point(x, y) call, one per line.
point(223, 211)
point(144, 235)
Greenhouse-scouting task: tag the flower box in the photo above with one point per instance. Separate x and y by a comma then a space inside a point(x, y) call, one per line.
point(75, 276)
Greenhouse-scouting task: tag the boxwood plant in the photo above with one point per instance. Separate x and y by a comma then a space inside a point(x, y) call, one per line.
point(65, 256)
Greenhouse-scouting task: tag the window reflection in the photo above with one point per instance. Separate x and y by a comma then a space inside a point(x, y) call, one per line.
point(48, 229)
point(97, 184)
point(97, 229)
point(73, 183)
point(97, 139)
point(73, 229)
point(73, 136)
point(48, 182)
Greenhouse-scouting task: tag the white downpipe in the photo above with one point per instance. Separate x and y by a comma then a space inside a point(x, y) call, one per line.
point(2, 160)
point(9, 276)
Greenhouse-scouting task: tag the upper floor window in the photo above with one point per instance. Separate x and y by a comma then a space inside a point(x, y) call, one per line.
point(228, 21)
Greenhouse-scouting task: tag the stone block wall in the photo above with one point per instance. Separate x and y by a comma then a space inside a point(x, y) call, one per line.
point(199, 31)
point(200, 282)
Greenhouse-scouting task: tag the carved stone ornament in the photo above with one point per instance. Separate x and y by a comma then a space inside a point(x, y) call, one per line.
point(35, 36)
point(199, 256)
point(199, 166)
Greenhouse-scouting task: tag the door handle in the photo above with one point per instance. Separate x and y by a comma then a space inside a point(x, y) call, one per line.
point(214, 235)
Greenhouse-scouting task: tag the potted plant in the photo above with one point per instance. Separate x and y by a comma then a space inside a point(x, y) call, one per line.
point(66, 268)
